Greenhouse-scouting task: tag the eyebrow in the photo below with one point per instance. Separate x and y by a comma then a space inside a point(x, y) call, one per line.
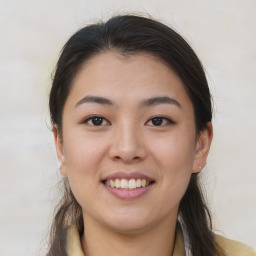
point(95, 99)
point(160, 100)
point(145, 103)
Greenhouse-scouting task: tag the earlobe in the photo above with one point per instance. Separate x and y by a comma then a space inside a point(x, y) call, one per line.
point(59, 150)
point(202, 148)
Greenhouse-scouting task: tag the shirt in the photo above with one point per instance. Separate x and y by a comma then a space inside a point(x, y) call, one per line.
point(230, 247)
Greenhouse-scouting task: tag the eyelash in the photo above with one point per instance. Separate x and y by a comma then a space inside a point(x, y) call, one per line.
point(162, 119)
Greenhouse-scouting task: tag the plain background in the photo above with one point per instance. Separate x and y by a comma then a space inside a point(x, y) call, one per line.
point(223, 34)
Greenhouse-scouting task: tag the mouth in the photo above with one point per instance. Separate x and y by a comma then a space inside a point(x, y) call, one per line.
point(127, 184)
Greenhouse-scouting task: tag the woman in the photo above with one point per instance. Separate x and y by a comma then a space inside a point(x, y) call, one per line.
point(131, 114)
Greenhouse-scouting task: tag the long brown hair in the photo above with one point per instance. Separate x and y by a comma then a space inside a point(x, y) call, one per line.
point(128, 35)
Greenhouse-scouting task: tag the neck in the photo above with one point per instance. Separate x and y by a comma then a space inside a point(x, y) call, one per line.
point(158, 240)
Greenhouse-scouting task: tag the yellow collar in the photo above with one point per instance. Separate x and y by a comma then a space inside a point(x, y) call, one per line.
point(230, 247)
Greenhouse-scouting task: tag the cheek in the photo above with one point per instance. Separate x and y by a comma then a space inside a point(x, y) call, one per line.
point(84, 152)
point(175, 151)
point(174, 157)
point(83, 164)
point(83, 158)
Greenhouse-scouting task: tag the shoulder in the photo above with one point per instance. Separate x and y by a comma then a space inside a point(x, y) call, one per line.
point(234, 248)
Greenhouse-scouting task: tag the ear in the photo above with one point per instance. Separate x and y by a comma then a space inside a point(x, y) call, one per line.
point(60, 151)
point(202, 148)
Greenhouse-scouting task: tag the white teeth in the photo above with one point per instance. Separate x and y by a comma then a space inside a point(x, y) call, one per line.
point(124, 183)
point(132, 184)
point(138, 185)
point(117, 183)
point(127, 184)
point(112, 183)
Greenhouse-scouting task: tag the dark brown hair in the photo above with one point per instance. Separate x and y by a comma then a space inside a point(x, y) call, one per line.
point(129, 35)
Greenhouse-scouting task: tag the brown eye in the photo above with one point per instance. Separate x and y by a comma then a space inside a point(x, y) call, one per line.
point(159, 121)
point(96, 121)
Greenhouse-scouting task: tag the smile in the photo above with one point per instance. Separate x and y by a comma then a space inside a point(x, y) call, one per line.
point(127, 184)
point(124, 185)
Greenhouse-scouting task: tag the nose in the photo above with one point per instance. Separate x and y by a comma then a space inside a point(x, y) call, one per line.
point(128, 144)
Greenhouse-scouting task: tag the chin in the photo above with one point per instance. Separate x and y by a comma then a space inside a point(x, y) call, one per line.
point(129, 222)
point(129, 227)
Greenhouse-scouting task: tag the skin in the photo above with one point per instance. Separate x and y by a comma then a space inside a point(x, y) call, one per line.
point(128, 140)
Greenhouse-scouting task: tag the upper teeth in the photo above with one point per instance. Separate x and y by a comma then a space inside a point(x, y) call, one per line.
point(127, 184)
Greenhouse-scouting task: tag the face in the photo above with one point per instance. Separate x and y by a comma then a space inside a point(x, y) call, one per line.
point(129, 144)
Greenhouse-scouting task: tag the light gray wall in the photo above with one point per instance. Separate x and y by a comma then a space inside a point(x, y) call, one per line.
point(32, 33)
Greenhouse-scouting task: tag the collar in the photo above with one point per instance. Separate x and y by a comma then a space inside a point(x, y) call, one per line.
point(74, 247)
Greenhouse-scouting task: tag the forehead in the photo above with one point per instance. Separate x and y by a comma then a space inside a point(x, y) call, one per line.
point(127, 78)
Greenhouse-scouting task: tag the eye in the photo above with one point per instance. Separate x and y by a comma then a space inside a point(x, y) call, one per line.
point(159, 121)
point(96, 121)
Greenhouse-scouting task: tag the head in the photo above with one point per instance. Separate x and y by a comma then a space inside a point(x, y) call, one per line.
point(135, 44)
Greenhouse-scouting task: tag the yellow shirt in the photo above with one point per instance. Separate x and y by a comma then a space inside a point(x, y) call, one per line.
point(230, 247)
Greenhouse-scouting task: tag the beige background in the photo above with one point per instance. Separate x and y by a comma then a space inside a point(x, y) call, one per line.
point(222, 32)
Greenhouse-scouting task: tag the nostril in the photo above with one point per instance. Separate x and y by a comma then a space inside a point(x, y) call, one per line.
point(127, 149)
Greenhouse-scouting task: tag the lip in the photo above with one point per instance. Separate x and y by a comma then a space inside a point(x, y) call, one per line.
point(125, 193)
point(128, 194)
